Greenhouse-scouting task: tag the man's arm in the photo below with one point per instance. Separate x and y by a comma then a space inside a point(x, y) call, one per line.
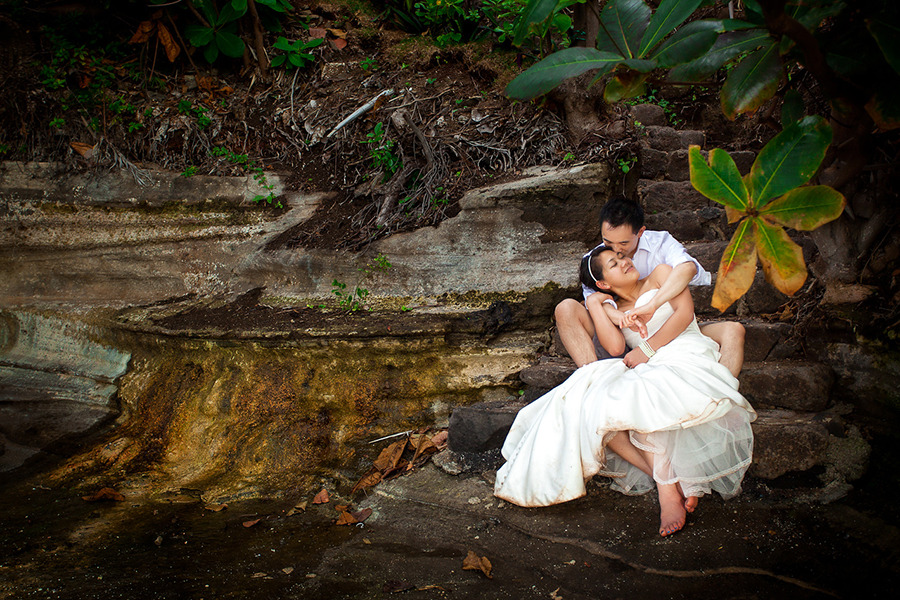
point(675, 283)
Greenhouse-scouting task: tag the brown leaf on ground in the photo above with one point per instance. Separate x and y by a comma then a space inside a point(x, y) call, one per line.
point(345, 519)
point(341, 507)
point(390, 456)
point(215, 507)
point(85, 150)
point(370, 479)
point(338, 33)
point(396, 472)
point(321, 497)
point(473, 562)
point(251, 523)
point(361, 515)
point(440, 440)
point(423, 446)
point(316, 32)
point(339, 43)
point(105, 494)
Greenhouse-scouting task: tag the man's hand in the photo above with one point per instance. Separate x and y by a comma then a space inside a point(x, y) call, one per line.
point(635, 357)
point(644, 313)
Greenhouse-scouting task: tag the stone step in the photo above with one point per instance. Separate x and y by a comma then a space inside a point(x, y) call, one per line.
point(793, 385)
point(784, 441)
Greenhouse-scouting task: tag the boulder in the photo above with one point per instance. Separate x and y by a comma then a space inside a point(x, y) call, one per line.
point(483, 426)
point(793, 385)
point(786, 441)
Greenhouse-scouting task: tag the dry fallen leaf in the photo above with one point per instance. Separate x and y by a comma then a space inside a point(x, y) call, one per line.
point(85, 150)
point(440, 440)
point(105, 494)
point(338, 33)
point(251, 523)
point(393, 586)
point(316, 32)
point(473, 562)
point(361, 515)
point(341, 507)
point(345, 519)
point(554, 596)
point(321, 497)
point(390, 456)
point(288, 570)
point(370, 479)
point(216, 507)
point(340, 44)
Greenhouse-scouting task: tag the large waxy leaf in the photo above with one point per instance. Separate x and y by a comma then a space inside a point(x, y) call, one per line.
point(728, 46)
point(688, 43)
point(789, 159)
point(669, 15)
point(737, 267)
point(888, 37)
point(752, 82)
point(781, 258)
point(198, 35)
point(535, 12)
point(626, 84)
point(550, 72)
point(622, 24)
point(805, 208)
point(230, 44)
point(719, 180)
point(641, 65)
point(884, 110)
point(792, 108)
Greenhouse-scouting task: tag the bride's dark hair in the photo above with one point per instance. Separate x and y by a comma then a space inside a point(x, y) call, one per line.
point(591, 272)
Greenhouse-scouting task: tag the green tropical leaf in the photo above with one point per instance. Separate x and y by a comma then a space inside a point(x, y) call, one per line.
point(792, 108)
point(627, 84)
point(242, 4)
point(550, 72)
point(789, 160)
point(211, 53)
point(884, 110)
point(719, 180)
point(737, 267)
point(752, 82)
point(688, 43)
point(230, 44)
point(887, 35)
point(805, 208)
point(230, 13)
point(669, 15)
point(535, 12)
point(781, 259)
point(641, 65)
point(198, 35)
point(622, 24)
point(728, 46)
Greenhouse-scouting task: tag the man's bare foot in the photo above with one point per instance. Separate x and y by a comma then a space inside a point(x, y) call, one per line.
point(672, 514)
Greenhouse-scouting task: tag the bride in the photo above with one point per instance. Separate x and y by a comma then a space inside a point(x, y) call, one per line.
point(667, 415)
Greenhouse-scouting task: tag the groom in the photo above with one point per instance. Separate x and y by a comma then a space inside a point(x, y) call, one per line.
point(622, 229)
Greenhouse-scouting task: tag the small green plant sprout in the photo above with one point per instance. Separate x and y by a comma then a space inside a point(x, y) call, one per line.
point(190, 171)
point(295, 53)
point(368, 64)
point(625, 164)
point(198, 112)
point(251, 166)
point(382, 152)
point(58, 123)
point(134, 126)
point(570, 156)
point(405, 308)
point(4, 149)
point(351, 301)
point(430, 81)
point(771, 197)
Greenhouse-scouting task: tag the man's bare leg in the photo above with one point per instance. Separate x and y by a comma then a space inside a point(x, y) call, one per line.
point(730, 337)
point(576, 330)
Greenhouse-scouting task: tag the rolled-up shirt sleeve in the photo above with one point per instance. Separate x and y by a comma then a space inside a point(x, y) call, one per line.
point(673, 254)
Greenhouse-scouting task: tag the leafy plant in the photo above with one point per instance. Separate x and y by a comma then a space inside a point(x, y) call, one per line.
point(770, 198)
point(295, 53)
point(625, 164)
point(539, 20)
point(58, 123)
point(190, 171)
point(382, 152)
point(368, 64)
point(633, 40)
point(185, 107)
point(218, 32)
point(259, 175)
point(347, 300)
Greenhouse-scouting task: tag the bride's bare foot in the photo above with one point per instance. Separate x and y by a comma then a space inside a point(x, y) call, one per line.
point(672, 514)
point(690, 503)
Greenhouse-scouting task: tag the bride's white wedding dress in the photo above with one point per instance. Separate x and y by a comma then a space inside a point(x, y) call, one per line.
point(681, 405)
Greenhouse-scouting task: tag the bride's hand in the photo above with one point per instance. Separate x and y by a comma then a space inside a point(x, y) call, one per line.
point(634, 358)
point(633, 322)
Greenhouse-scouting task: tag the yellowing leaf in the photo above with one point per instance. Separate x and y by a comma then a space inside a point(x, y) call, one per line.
point(782, 259)
point(737, 267)
point(805, 208)
point(473, 562)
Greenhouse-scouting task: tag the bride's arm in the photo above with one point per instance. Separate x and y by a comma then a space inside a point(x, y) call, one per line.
point(683, 307)
point(608, 333)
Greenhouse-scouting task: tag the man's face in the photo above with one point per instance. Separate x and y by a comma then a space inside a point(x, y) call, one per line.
point(622, 239)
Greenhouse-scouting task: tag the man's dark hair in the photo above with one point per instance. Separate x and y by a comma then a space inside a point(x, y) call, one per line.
point(619, 211)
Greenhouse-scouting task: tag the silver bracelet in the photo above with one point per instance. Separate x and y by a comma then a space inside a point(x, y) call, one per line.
point(646, 349)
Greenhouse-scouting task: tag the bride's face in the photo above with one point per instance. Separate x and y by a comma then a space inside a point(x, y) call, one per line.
point(618, 271)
